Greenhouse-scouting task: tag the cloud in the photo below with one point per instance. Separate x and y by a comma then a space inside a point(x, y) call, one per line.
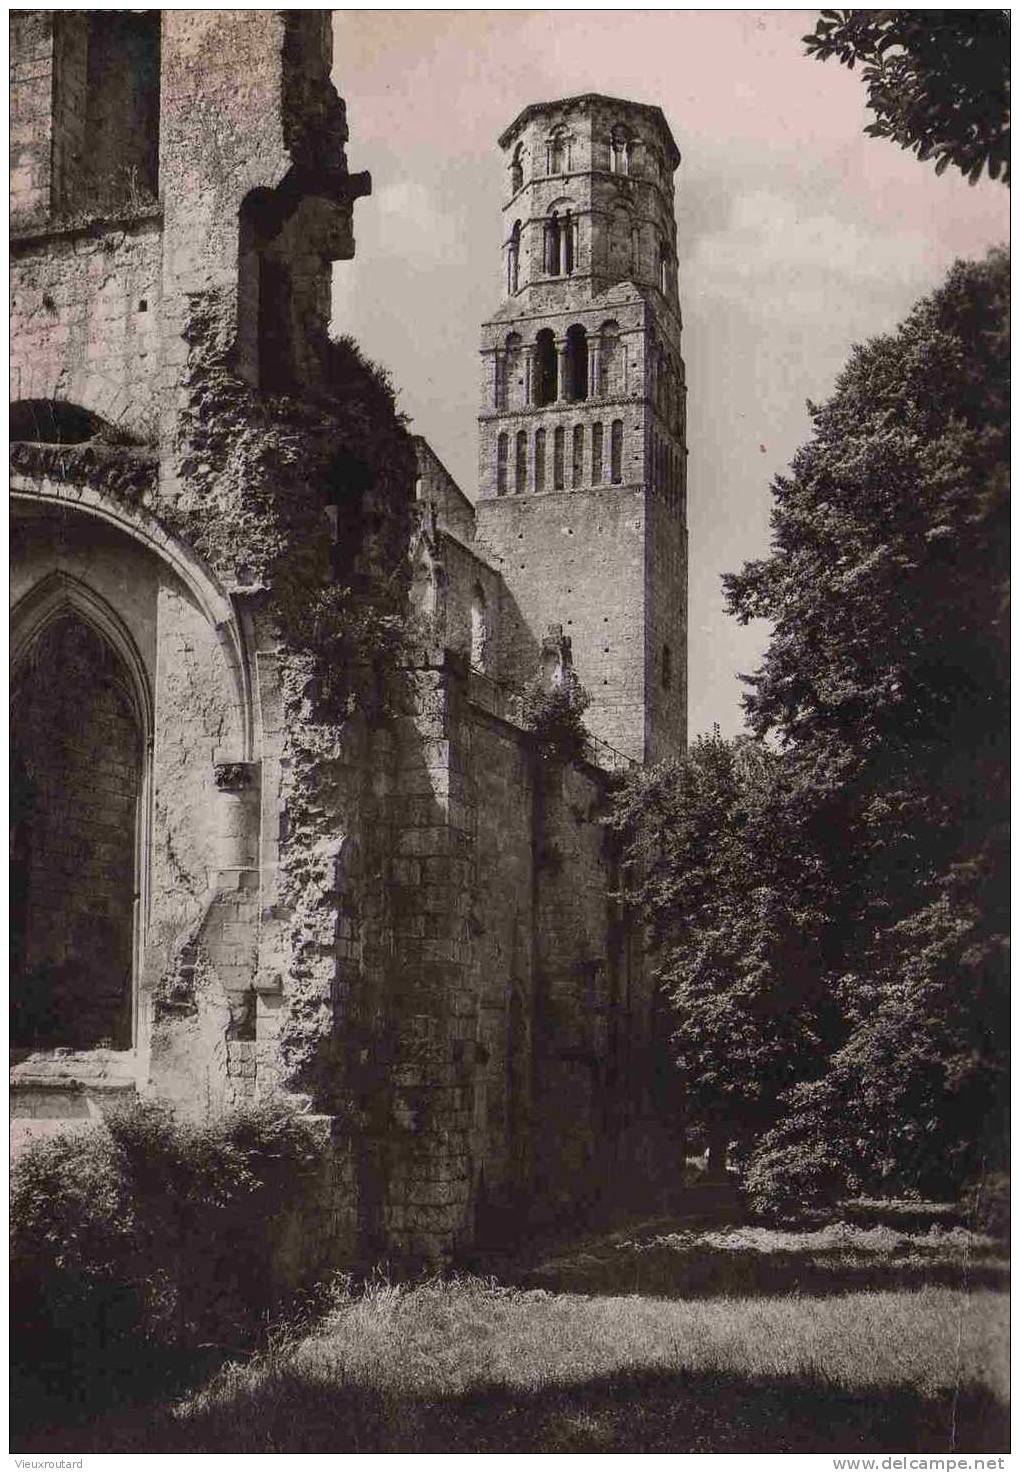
point(408, 220)
point(775, 251)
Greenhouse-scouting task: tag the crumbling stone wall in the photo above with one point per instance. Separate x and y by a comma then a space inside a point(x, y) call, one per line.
point(358, 883)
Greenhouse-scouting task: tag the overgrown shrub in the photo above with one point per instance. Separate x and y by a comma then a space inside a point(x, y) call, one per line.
point(556, 718)
point(147, 1232)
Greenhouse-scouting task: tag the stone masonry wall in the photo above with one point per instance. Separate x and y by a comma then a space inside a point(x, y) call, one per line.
point(577, 559)
point(31, 101)
point(85, 321)
point(358, 886)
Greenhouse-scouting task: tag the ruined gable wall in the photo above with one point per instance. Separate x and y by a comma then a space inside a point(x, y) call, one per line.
point(434, 484)
point(85, 321)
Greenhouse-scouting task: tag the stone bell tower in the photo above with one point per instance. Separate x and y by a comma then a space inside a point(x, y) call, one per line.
point(582, 458)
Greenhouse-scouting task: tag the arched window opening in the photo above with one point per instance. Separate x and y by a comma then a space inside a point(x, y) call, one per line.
point(105, 119)
point(577, 465)
point(517, 169)
point(540, 460)
point(521, 462)
point(553, 232)
point(596, 454)
point(620, 151)
point(577, 363)
point(513, 265)
point(512, 375)
point(567, 244)
point(545, 367)
point(52, 422)
point(77, 771)
point(558, 453)
point(499, 381)
point(667, 667)
point(502, 446)
point(269, 328)
point(559, 152)
point(479, 629)
point(616, 452)
point(663, 270)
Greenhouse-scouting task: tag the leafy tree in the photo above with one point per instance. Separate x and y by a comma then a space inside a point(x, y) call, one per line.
point(938, 80)
point(828, 897)
point(736, 902)
point(886, 680)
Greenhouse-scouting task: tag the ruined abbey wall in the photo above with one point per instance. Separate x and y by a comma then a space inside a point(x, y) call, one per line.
point(304, 809)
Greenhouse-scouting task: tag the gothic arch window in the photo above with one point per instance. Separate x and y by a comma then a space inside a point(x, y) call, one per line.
point(545, 367)
point(616, 452)
point(521, 462)
point(577, 363)
point(596, 454)
point(517, 169)
point(559, 437)
point(80, 734)
point(540, 460)
point(513, 267)
point(502, 446)
point(663, 270)
point(577, 460)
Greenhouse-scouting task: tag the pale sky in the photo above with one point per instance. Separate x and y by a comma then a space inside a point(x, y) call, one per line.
point(798, 236)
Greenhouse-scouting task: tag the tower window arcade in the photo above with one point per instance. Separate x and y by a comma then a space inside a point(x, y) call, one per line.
point(545, 367)
point(577, 363)
point(559, 244)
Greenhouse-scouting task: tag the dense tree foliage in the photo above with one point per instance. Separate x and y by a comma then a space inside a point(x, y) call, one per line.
point(938, 80)
point(737, 912)
point(828, 897)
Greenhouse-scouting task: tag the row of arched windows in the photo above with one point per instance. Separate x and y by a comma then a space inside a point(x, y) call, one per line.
point(619, 149)
point(560, 249)
point(572, 369)
point(576, 460)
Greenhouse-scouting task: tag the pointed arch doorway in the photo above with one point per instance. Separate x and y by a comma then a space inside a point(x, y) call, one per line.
point(80, 735)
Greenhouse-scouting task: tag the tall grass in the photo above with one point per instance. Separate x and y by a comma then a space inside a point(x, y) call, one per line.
point(471, 1366)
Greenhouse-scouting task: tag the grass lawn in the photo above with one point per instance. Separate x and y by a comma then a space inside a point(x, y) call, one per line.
point(740, 1340)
